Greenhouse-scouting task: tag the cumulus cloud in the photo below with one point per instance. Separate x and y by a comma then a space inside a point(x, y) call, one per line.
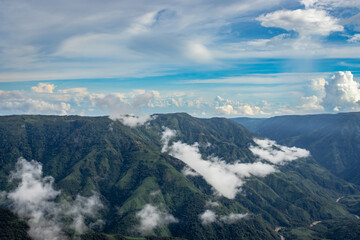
point(304, 21)
point(141, 97)
point(226, 109)
point(43, 88)
point(151, 217)
point(34, 200)
point(209, 216)
point(226, 179)
point(78, 94)
point(244, 109)
point(229, 107)
point(342, 93)
point(312, 103)
point(318, 85)
point(277, 154)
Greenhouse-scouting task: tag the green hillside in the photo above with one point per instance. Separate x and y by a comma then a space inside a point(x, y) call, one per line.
point(128, 169)
point(333, 139)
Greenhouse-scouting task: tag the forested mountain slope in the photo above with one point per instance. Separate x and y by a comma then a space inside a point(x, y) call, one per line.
point(176, 176)
point(333, 139)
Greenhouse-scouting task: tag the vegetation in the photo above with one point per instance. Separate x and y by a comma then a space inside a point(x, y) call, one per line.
point(127, 168)
point(333, 139)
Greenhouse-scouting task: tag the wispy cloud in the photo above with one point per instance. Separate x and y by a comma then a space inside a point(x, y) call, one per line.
point(127, 39)
point(210, 216)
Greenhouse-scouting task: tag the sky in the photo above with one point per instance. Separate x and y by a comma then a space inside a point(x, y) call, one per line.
point(253, 58)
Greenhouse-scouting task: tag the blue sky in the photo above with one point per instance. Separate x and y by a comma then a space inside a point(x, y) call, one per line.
point(229, 58)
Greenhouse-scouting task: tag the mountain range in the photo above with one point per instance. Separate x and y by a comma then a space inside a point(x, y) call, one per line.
point(68, 177)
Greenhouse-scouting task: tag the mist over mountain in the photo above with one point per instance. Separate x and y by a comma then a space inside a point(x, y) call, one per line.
point(174, 176)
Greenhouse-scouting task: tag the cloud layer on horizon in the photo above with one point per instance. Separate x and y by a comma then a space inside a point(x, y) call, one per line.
point(311, 93)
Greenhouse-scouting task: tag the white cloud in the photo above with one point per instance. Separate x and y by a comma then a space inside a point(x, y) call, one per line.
point(304, 21)
point(277, 154)
point(167, 134)
point(266, 44)
point(318, 85)
point(34, 106)
point(209, 216)
point(151, 217)
point(334, 3)
point(78, 94)
point(233, 218)
point(342, 93)
point(142, 24)
point(189, 172)
point(34, 200)
point(215, 173)
point(43, 88)
point(11, 95)
point(198, 52)
point(229, 107)
point(33, 190)
point(246, 170)
point(355, 38)
point(143, 97)
point(226, 179)
point(308, 3)
point(226, 109)
point(244, 109)
point(81, 208)
point(211, 204)
point(310, 104)
point(128, 39)
point(132, 120)
point(124, 108)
